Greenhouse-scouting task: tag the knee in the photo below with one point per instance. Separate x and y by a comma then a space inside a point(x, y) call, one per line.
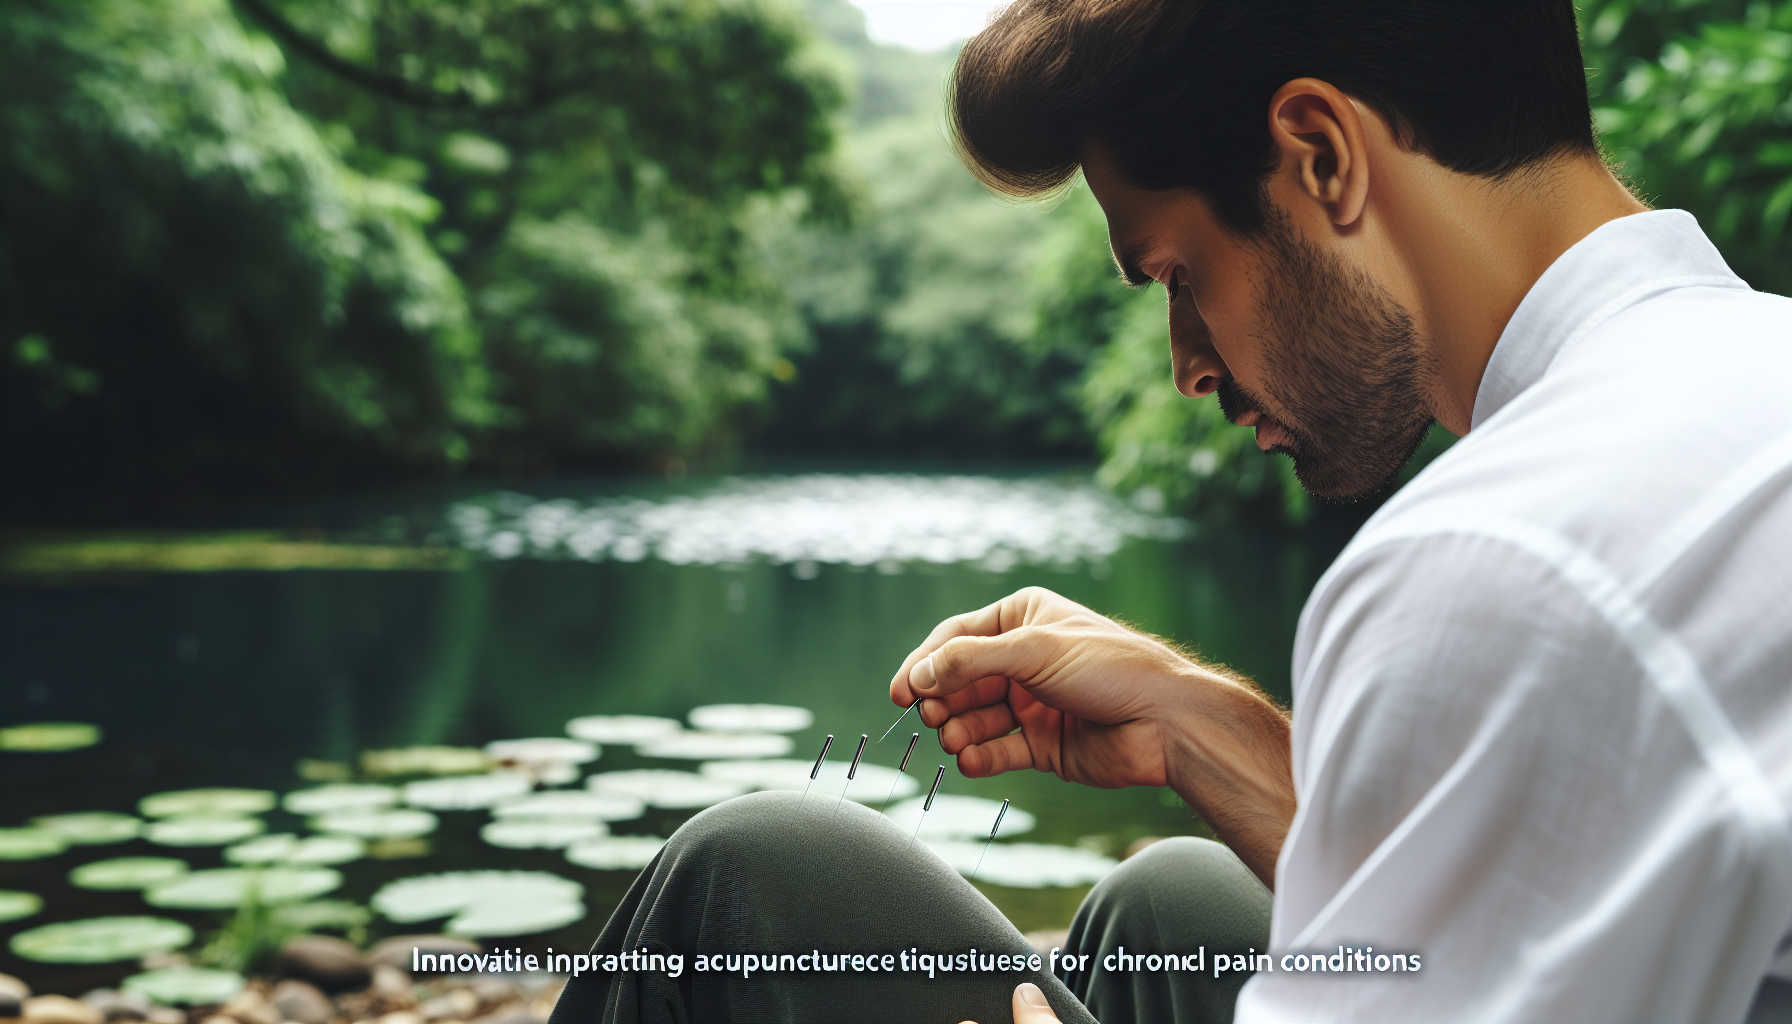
point(1181, 857)
point(737, 825)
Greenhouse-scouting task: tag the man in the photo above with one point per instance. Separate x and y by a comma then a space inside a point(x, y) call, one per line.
point(1541, 746)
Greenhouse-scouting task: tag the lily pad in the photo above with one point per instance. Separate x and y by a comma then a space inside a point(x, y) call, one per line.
point(325, 799)
point(126, 873)
point(660, 787)
point(212, 802)
point(543, 748)
point(751, 718)
point(616, 853)
point(489, 920)
point(541, 833)
point(704, 746)
point(30, 843)
point(49, 737)
point(404, 761)
point(15, 905)
point(92, 828)
point(874, 783)
point(959, 817)
point(100, 940)
point(484, 903)
point(467, 792)
point(315, 915)
point(573, 804)
point(203, 831)
point(394, 823)
point(1023, 865)
point(285, 848)
point(626, 729)
point(225, 888)
point(192, 986)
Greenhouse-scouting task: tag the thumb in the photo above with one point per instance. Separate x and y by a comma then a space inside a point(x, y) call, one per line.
point(1030, 1006)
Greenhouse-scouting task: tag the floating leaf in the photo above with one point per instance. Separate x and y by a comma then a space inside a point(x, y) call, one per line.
point(624, 729)
point(30, 843)
point(126, 873)
point(541, 833)
point(498, 919)
point(225, 888)
point(92, 828)
point(751, 718)
point(467, 792)
point(212, 802)
point(285, 848)
point(425, 761)
point(325, 799)
point(1023, 865)
point(49, 737)
point(192, 986)
point(703, 746)
point(873, 784)
point(573, 804)
point(100, 940)
point(15, 905)
point(956, 817)
point(396, 823)
point(427, 897)
point(203, 831)
point(616, 853)
point(664, 788)
point(543, 748)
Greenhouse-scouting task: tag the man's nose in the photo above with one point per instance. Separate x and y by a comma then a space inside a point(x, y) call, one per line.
point(1195, 364)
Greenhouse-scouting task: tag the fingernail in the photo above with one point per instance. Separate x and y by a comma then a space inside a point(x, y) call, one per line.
point(1032, 995)
point(922, 674)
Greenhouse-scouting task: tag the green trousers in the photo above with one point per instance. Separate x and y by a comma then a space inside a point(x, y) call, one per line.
point(830, 915)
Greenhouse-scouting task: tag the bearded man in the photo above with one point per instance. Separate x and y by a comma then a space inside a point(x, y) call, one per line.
point(1540, 756)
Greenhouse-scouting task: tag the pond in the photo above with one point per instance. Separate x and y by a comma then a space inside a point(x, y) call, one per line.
point(607, 599)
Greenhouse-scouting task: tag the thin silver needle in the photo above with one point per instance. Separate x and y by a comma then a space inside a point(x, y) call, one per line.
point(912, 740)
point(928, 806)
point(899, 719)
point(850, 773)
point(993, 829)
point(813, 772)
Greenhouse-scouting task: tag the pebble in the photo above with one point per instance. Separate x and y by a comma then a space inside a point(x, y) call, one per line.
point(13, 994)
point(509, 1013)
point(119, 1006)
point(454, 1004)
point(165, 1015)
point(393, 986)
point(302, 1003)
point(331, 964)
point(396, 950)
point(60, 1010)
point(492, 991)
point(251, 1007)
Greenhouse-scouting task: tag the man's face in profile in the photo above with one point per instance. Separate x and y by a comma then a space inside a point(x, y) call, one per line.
point(1325, 364)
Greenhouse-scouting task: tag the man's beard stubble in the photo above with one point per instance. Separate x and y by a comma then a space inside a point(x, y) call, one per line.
point(1343, 363)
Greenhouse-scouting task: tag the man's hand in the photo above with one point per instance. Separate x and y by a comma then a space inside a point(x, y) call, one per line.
point(1097, 703)
point(1030, 1006)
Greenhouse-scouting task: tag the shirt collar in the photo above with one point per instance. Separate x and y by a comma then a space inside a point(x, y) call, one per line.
point(1618, 265)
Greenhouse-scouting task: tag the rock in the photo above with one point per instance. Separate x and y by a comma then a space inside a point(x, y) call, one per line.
point(119, 1006)
point(60, 1010)
point(393, 987)
point(492, 991)
point(302, 1002)
point(509, 1013)
point(401, 1017)
point(542, 1006)
point(13, 994)
point(331, 964)
point(1044, 941)
point(454, 1004)
point(217, 1018)
point(251, 1007)
point(165, 1015)
point(1133, 848)
point(396, 951)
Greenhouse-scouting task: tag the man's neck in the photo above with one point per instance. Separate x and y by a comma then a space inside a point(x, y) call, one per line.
point(1473, 248)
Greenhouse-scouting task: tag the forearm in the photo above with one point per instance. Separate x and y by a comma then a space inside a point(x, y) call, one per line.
point(1227, 754)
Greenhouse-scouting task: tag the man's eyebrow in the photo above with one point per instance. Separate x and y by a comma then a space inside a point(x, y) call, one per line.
point(1128, 262)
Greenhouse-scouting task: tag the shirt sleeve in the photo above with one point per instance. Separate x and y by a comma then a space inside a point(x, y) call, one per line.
point(1489, 780)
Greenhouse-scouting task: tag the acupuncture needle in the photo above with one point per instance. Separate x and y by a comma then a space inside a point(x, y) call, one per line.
point(904, 767)
point(928, 806)
point(899, 719)
point(993, 829)
point(813, 772)
point(850, 772)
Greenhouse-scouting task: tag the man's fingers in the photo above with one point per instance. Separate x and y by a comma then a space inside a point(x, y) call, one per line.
point(964, 660)
point(976, 726)
point(1030, 1005)
point(1003, 754)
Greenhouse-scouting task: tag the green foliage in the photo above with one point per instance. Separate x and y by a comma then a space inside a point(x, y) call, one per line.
point(1694, 102)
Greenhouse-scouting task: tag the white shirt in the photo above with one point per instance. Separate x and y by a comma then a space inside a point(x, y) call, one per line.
point(1543, 701)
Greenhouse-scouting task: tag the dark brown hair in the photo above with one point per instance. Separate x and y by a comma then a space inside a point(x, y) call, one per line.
point(1178, 90)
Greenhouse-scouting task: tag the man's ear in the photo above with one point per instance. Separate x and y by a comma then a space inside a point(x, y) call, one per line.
point(1320, 134)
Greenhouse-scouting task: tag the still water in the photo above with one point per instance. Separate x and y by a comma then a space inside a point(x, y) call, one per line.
point(607, 599)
